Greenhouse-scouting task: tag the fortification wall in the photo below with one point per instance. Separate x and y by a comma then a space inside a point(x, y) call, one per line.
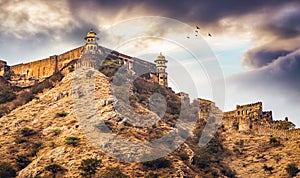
point(250, 110)
point(69, 56)
point(290, 134)
point(37, 69)
point(45, 67)
point(2, 67)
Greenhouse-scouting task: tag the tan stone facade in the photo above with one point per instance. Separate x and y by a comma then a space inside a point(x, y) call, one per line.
point(246, 115)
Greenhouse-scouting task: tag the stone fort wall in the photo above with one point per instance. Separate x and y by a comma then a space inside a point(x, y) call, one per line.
point(46, 67)
point(290, 134)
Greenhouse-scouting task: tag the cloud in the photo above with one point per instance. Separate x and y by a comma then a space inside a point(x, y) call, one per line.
point(25, 18)
point(277, 84)
point(285, 23)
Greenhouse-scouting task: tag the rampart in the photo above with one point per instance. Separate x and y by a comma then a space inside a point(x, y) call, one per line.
point(43, 68)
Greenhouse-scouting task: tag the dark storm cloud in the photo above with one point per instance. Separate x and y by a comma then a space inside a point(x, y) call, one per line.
point(193, 11)
point(262, 56)
point(277, 85)
point(285, 24)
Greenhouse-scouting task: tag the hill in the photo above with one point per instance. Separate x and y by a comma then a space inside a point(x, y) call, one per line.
point(46, 131)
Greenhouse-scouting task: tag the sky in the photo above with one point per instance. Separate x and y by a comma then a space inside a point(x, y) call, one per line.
point(255, 44)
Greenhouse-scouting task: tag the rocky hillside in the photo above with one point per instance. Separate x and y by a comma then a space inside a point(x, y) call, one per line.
point(46, 132)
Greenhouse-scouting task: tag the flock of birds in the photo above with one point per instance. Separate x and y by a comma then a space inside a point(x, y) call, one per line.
point(197, 31)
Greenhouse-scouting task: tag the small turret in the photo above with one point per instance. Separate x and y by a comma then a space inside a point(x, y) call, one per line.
point(161, 66)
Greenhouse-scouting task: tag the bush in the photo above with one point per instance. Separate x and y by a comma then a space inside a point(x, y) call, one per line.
point(113, 172)
point(27, 132)
point(19, 140)
point(89, 167)
point(22, 161)
point(201, 161)
point(72, 141)
point(292, 170)
point(183, 156)
point(158, 163)
point(6, 94)
point(54, 169)
point(152, 175)
point(7, 171)
point(71, 68)
point(274, 141)
point(61, 114)
point(268, 169)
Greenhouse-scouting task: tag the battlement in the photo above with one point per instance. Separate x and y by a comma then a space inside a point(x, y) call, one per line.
point(245, 116)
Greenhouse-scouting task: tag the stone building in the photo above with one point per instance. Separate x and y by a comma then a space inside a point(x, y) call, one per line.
point(91, 54)
point(244, 116)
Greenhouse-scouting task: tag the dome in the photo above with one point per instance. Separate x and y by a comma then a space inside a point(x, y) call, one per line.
point(160, 58)
point(91, 34)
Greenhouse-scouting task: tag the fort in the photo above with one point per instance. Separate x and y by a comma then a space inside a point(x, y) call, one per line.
point(243, 118)
point(25, 73)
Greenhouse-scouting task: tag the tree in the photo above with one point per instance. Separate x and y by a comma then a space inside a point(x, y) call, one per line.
point(285, 125)
point(268, 169)
point(6, 94)
point(89, 167)
point(72, 141)
point(292, 169)
point(113, 172)
point(22, 161)
point(54, 169)
point(7, 171)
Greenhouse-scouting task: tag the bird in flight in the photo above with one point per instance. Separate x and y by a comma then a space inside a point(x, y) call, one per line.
point(197, 27)
point(209, 35)
point(187, 37)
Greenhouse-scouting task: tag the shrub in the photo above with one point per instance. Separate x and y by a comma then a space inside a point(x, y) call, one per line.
point(7, 171)
point(277, 158)
point(22, 161)
point(113, 172)
point(72, 141)
point(54, 169)
point(158, 163)
point(268, 169)
point(6, 94)
point(292, 169)
point(27, 132)
point(52, 145)
point(89, 167)
point(152, 175)
point(183, 156)
point(19, 140)
point(274, 141)
point(285, 125)
point(61, 114)
point(71, 68)
point(35, 149)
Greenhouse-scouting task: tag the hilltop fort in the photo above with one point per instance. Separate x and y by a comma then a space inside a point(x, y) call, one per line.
point(243, 118)
point(26, 74)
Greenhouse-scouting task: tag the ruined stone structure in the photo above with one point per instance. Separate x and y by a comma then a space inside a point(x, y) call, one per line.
point(88, 55)
point(208, 109)
point(245, 115)
point(3, 65)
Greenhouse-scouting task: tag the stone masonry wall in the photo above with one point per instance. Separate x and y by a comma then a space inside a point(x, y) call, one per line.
point(46, 67)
